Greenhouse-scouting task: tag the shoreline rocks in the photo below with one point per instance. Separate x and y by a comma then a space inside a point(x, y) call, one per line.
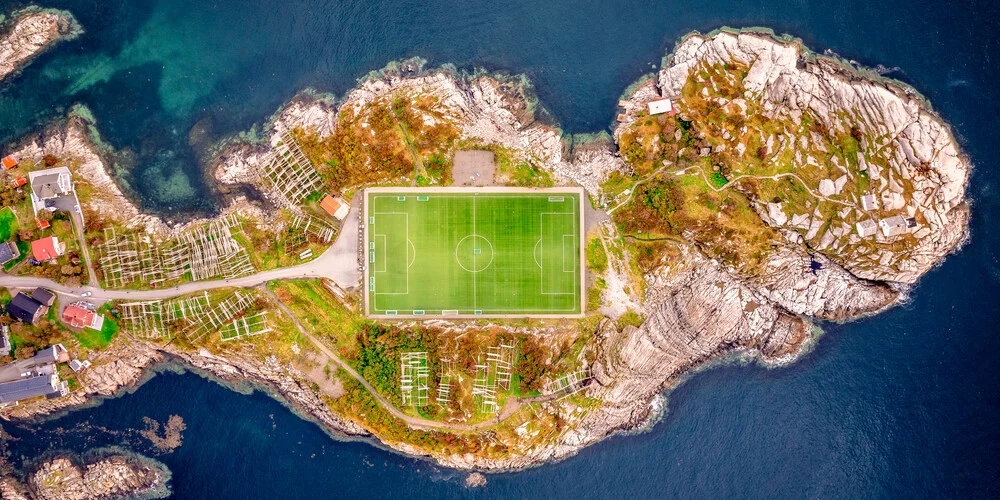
point(127, 364)
point(73, 140)
point(30, 32)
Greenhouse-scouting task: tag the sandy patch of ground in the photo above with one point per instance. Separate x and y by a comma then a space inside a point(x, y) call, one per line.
point(474, 168)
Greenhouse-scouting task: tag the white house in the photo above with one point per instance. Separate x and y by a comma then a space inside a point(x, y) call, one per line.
point(866, 228)
point(869, 203)
point(659, 106)
point(52, 189)
point(893, 226)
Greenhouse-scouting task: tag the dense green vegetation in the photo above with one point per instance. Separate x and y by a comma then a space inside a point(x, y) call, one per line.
point(381, 347)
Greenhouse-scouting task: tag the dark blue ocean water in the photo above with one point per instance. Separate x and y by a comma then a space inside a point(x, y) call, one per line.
point(902, 405)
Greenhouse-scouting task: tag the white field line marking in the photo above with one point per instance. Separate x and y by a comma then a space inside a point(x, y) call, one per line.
point(498, 196)
point(383, 252)
point(474, 265)
point(474, 286)
point(571, 261)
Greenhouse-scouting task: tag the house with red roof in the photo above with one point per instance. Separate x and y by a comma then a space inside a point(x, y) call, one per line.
point(336, 207)
point(9, 162)
point(81, 315)
point(47, 248)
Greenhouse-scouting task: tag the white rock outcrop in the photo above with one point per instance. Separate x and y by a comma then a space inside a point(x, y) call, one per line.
point(920, 146)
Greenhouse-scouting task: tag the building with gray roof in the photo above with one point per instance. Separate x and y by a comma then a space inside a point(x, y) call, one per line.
point(26, 309)
point(52, 189)
point(33, 377)
point(8, 252)
point(43, 296)
point(32, 387)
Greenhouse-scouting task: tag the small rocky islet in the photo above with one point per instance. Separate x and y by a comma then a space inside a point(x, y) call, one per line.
point(782, 187)
point(105, 475)
point(29, 32)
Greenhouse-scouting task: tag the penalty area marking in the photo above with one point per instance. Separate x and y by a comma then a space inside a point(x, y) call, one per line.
point(562, 252)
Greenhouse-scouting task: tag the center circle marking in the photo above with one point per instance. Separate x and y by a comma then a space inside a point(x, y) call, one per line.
point(468, 259)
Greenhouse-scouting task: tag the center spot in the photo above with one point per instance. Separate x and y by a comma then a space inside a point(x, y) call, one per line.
point(474, 253)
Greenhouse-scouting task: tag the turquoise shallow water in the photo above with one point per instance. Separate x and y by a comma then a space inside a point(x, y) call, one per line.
point(904, 404)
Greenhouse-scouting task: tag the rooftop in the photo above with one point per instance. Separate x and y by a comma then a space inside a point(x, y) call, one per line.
point(334, 206)
point(658, 106)
point(24, 308)
point(46, 248)
point(29, 388)
point(43, 296)
point(78, 316)
point(8, 252)
point(893, 226)
point(51, 183)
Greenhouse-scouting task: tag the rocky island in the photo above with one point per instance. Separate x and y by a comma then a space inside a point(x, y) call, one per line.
point(30, 32)
point(106, 476)
point(749, 189)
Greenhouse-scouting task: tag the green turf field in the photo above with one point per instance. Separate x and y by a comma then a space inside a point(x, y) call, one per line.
point(462, 252)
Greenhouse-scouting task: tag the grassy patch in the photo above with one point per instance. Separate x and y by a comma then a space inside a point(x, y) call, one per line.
point(594, 294)
point(630, 318)
point(321, 312)
point(8, 224)
point(377, 143)
point(718, 180)
point(597, 258)
point(617, 183)
point(94, 339)
point(517, 170)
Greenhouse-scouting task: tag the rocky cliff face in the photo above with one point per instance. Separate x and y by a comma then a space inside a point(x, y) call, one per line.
point(73, 142)
point(483, 108)
point(124, 363)
point(120, 366)
point(284, 379)
point(30, 33)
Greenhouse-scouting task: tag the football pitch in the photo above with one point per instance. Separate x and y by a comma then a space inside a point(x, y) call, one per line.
point(473, 252)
